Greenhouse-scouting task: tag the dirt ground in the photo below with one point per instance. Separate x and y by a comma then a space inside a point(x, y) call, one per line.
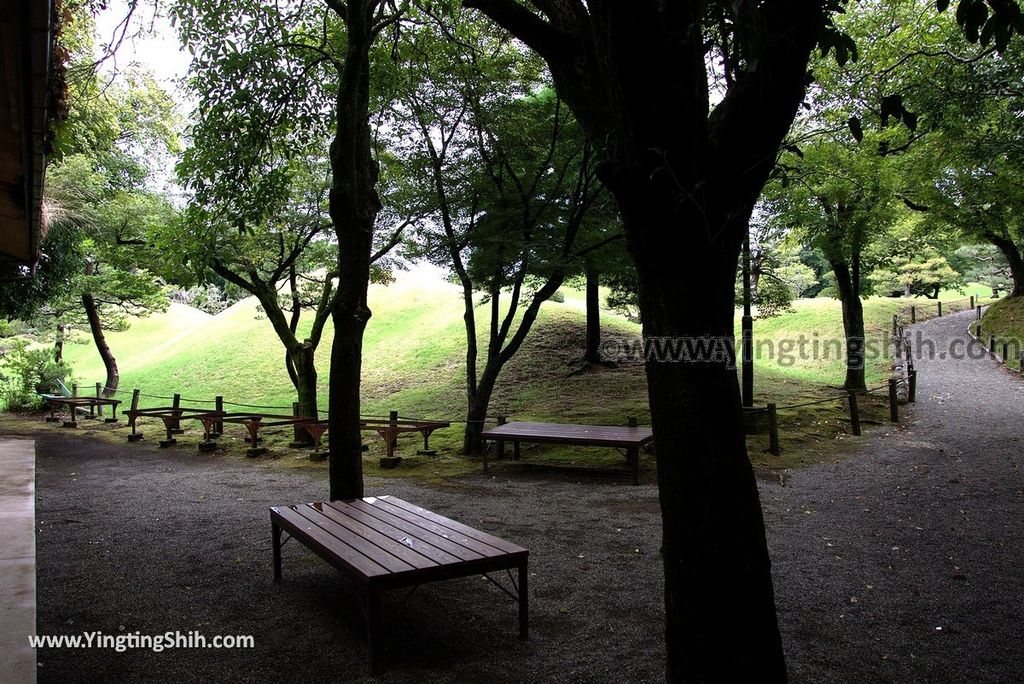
point(901, 562)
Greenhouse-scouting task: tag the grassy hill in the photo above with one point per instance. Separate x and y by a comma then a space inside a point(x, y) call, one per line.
point(415, 355)
point(1005, 319)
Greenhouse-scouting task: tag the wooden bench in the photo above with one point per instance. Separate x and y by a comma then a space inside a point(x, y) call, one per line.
point(631, 438)
point(384, 543)
point(171, 417)
point(388, 428)
point(54, 402)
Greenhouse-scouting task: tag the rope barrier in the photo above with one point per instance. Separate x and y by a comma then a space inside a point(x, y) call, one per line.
point(838, 397)
point(257, 406)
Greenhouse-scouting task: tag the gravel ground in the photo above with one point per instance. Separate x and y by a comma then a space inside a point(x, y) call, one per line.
point(900, 562)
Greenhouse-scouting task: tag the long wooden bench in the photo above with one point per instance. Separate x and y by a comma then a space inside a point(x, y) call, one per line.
point(630, 438)
point(54, 402)
point(388, 428)
point(384, 543)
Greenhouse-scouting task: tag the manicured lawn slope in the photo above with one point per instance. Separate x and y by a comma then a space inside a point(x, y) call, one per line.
point(1005, 319)
point(415, 361)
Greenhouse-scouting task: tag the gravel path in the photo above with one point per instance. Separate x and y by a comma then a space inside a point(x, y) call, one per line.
point(901, 562)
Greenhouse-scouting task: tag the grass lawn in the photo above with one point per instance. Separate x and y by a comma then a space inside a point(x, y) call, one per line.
point(414, 362)
point(1005, 319)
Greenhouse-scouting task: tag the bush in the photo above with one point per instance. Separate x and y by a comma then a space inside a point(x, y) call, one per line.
point(558, 297)
point(26, 374)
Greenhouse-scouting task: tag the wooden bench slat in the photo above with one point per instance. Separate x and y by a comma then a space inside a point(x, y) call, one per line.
point(457, 545)
point(438, 549)
point(379, 556)
point(412, 553)
point(326, 544)
point(479, 541)
point(474, 533)
point(566, 433)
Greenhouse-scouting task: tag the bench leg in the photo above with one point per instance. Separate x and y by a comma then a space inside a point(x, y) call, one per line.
point(515, 451)
point(633, 458)
point(375, 631)
point(524, 603)
point(275, 540)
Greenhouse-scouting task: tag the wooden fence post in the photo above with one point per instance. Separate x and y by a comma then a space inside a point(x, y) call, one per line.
point(135, 436)
point(978, 327)
point(972, 301)
point(991, 344)
point(895, 325)
point(913, 314)
point(1006, 351)
point(940, 309)
point(99, 393)
point(176, 423)
point(894, 408)
point(854, 412)
point(74, 389)
point(773, 429)
point(218, 427)
point(393, 436)
point(911, 386)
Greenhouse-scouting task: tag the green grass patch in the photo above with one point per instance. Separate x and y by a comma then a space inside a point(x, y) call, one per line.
point(1005, 320)
point(414, 362)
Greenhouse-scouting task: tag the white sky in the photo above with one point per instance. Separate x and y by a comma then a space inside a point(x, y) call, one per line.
point(156, 48)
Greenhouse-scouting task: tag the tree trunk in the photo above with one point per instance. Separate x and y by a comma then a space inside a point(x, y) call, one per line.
point(848, 284)
point(353, 206)
point(96, 327)
point(58, 343)
point(1013, 257)
point(719, 600)
point(305, 377)
point(479, 401)
point(593, 350)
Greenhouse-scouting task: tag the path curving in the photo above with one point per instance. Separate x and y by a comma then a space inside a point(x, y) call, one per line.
point(903, 561)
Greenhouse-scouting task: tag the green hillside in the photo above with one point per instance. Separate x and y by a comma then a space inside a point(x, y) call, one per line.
point(415, 355)
point(1005, 320)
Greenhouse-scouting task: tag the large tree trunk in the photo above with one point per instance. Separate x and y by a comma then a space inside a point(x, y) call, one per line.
point(1013, 257)
point(719, 600)
point(686, 179)
point(98, 336)
point(354, 205)
point(848, 284)
point(593, 350)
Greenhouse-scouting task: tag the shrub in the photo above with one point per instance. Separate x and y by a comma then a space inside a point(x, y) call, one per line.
point(25, 374)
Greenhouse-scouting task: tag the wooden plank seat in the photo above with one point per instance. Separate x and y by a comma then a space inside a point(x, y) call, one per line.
point(95, 405)
point(388, 428)
point(171, 417)
point(253, 422)
point(384, 543)
point(631, 438)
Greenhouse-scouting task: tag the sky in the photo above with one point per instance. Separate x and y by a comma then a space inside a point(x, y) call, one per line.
point(151, 42)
